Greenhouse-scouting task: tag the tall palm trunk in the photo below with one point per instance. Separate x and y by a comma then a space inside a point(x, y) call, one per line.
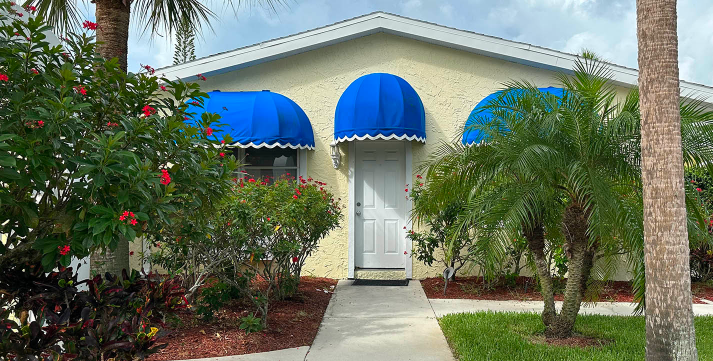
point(670, 334)
point(113, 29)
point(113, 38)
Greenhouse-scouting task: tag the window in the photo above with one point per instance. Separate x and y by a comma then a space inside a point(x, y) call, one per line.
point(266, 162)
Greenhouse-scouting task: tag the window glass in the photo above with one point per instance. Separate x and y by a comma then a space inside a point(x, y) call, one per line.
point(268, 163)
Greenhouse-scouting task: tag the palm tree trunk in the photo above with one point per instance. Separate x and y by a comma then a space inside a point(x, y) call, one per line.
point(113, 29)
point(670, 333)
point(536, 244)
point(113, 39)
point(581, 252)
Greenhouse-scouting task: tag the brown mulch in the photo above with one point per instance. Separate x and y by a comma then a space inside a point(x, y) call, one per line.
point(574, 341)
point(525, 289)
point(291, 323)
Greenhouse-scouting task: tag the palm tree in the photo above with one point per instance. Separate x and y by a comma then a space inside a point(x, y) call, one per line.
point(561, 170)
point(670, 334)
point(112, 34)
point(113, 18)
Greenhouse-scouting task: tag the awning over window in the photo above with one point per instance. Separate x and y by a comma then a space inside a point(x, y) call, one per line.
point(478, 115)
point(379, 106)
point(259, 119)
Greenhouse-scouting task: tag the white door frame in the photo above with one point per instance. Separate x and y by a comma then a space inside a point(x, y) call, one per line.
point(408, 262)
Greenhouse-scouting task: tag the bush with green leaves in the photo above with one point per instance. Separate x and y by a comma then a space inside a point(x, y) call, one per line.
point(90, 157)
point(259, 239)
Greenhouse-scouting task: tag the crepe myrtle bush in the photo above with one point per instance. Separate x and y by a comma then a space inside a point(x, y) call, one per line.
point(258, 240)
point(91, 156)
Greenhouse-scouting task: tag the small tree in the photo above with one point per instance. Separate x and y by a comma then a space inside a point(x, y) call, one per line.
point(185, 43)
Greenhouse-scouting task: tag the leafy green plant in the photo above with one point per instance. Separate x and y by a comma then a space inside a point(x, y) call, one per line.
point(250, 324)
point(213, 297)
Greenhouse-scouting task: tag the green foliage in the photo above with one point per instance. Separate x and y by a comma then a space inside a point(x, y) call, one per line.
point(250, 324)
point(442, 232)
point(701, 257)
point(115, 318)
point(82, 143)
point(257, 241)
point(185, 43)
point(213, 297)
point(518, 336)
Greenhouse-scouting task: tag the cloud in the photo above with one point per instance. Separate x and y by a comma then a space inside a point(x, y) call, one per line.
point(411, 5)
point(447, 10)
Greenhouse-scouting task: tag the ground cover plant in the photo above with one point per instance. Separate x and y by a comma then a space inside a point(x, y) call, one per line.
point(520, 336)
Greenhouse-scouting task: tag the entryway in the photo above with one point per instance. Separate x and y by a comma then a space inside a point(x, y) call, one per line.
point(380, 205)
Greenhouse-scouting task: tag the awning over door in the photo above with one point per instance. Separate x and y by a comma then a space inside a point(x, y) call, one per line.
point(259, 119)
point(379, 106)
point(480, 116)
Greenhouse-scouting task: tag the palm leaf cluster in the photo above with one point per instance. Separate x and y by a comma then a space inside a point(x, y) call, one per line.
point(563, 170)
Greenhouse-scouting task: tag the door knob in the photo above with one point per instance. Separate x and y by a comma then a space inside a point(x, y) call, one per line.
point(358, 213)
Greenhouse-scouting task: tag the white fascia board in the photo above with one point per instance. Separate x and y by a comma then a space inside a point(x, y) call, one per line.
point(521, 53)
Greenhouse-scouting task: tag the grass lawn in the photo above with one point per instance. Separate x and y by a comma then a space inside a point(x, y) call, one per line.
point(507, 336)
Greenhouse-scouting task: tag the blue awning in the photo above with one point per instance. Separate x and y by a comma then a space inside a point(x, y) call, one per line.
point(379, 106)
point(475, 136)
point(259, 119)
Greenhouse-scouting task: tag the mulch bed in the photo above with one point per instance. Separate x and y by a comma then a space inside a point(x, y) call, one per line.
point(291, 323)
point(525, 289)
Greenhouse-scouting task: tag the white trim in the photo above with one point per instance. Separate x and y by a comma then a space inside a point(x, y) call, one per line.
point(381, 137)
point(408, 261)
point(302, 163)
point(350, 216)
point(273, 145)
point(380, 22)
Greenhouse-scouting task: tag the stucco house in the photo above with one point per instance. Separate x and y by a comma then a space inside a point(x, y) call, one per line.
point(359, 105)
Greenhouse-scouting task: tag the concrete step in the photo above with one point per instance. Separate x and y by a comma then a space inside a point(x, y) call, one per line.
point(380, 274)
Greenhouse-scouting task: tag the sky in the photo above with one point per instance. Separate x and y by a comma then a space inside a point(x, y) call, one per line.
point(607, 27)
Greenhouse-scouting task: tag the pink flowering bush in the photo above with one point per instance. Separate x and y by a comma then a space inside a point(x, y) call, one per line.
point(258, 241)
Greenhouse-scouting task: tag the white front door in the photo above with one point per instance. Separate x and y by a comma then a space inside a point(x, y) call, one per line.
point(380, 204)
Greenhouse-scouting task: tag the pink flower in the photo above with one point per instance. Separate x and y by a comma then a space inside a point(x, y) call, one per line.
point(89, 25)
point(163, 88)
point(209, 131)
point(221, 154)
point(700, 190)
point(148, 110)
point(80, 89)
point(63, 250)
point(40, 124)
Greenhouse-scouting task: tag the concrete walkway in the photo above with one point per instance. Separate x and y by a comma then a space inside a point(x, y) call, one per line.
point(444, 307)
point(379, 323)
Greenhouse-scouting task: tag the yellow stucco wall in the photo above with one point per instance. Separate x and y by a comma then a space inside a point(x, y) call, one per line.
point(450, 83)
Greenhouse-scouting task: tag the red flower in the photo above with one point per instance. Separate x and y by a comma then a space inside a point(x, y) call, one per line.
point(268, 219)
point(149, 69)
point(200, 76)
point(221, 154)
point(418, 176)
point(251, 180)
point(222, 142)
point(405, 252)
point(133, 222)
point(148, 110)
point(165, 177)
point(185, 117)
point(131, 253)
point(20, 14)
point(80, 89)
point(122, 217)
point(295, 196)
point(295, 259)
point(33, 70)
point(195, 103)
point(89, 25)
point(692, 181)
point(63, 250)
point(110, 124)
point(209, 131)
point(31, 8)
point(163, 88)
point(700, 190)
point(420, 184)
point(406, 189)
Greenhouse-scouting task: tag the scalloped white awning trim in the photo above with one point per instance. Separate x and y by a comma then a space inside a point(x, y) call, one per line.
point(270, 146)
point(381, 137)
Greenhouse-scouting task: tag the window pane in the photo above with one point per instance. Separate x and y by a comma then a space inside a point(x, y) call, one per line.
point(275, 157)
point(258, 173)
